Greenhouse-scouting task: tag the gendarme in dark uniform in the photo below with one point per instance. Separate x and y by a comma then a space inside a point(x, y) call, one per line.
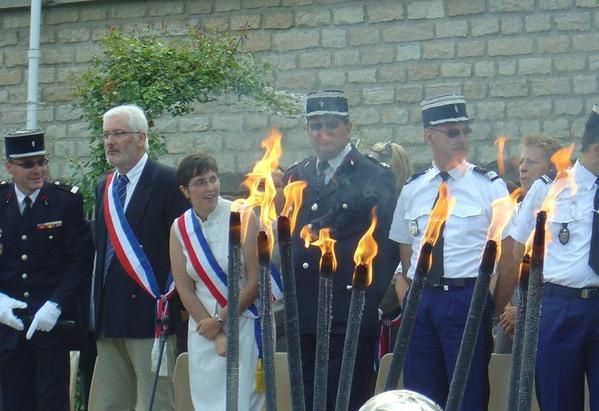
point(340, 196)
point(45, 263)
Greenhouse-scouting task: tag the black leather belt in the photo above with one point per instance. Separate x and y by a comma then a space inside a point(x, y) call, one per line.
point(449, 283)
point(583, 293)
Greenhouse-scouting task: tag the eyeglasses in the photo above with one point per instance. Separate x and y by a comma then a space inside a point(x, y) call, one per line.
point(330, 123)
point(453, 132)
point(117, 133)
point(29, 164)
point(202, 182)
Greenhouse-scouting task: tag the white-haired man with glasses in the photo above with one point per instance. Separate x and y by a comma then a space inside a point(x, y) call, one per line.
point(45, 265)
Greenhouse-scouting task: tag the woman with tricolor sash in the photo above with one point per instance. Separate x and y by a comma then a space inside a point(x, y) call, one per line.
point(199, 262)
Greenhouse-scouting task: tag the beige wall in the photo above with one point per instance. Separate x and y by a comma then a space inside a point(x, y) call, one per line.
point(523, 65)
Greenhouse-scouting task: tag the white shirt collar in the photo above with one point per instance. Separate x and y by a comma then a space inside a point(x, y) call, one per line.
point(583, 176)
point(336, 161)
point(134, 174)
point(456, 173)
point(21, 197)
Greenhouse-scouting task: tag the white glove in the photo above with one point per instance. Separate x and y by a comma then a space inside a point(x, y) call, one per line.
point(7, 317)
point(45, 318)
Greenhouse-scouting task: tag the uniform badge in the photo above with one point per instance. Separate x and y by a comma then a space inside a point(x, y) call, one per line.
point(414, 227)
point(564, 234)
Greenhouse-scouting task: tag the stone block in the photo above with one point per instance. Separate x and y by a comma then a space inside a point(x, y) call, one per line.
point(377, 55)
point(246, 21)
point(313, 17)
point(553, 44)
point(444, 29)
point(511, 5)
point(314, 59)
point(332, 38)
point(537, 22)
point(585, 84)
point(550, 86)
point(568, 106)
point(3, 96)
point(57, 55)
point(534, 65)
point(45, 74)
point(484, 69)
point(475, 90)
point(573, 21)
point(407, 136)
point(529, 110)
point(193, 123)
point(277, 20)
point(431, 9)
point(181, 143)
point(253, 4)
point(297, 2)
point(348, 15)
point(394, 115)
point(409, 31)
point(15, 57)
point(456, 69)
point(509, 46)
point(347, 57)
point(361, 36)
point(569, 63)
point(10, 77)
point(64, 149)
point(385, 12)
point(423, 71)
point(483, 26)
point(66, 112)
point(409, 52)
point(363, 116)
point(57, 131)
point(8, 38)
point(362, 76)
point(198, 7)
point(280, 61)
point(227, 122)
point(297, 80)
point(511, 25)
point(593, 62)
point(159, 8)
point(226, 5)
point(555, 4)
point(55, 93)
point(438, 50)
point(256, 121)
point(409, 93)
point(585, 42)
point(557, 127)
point(471, 48)
point(209, 143)
point(60, 15)
point(15, 20)
point(93, 12)
point(258, 41)
point(509, 88)
point(586, 3)
point(331, 78)
point(379, 95)
point(215, 23)
point(392, 72)
point(490, 110)
point(72, 34)
point(283, 122)
point(295, 40)
point(465, 7)
point(85, 54)
point(127, 11)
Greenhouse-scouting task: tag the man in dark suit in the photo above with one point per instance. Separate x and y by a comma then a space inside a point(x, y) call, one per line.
point(136, 206)
point(45, 263)
point(343, 187)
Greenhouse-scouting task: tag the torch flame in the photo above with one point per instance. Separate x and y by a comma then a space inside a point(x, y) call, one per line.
point(367, 248)
point(439, 214)
point(564, 179)
point(293, 201)
point(327, 246)
point(502, 210)
point(500, 143)
point(306, 235)
point(261, 187)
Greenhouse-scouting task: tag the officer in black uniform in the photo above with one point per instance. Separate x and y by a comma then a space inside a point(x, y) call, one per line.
point(45, 263)
point(343, 187)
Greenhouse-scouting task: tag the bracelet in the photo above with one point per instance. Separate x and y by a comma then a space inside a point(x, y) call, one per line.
point(221, 322)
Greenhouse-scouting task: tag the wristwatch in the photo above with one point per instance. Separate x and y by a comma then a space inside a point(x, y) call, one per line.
point(221, 322)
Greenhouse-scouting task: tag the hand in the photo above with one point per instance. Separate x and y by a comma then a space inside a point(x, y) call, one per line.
point(7, 317)
point(220, 344)
point(45, 318)
point(507, 319)
point(209, 328)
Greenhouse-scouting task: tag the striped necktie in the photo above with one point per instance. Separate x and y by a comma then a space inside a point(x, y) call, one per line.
point(27, 208)
point(121, 190)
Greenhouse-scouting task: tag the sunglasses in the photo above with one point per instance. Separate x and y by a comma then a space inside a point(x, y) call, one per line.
point(454, 132)
point(329, 123)
point(29, 164)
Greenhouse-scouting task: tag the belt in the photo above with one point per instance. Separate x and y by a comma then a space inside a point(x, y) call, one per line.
point(582, 293)
point(449, 283)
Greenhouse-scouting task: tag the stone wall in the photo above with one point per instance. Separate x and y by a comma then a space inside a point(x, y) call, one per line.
point(524, 66)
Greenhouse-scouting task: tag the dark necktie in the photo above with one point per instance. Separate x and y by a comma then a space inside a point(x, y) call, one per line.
point(322, 171)
point(121, 190)
point(437, 272)
point(27, 208)
point(594, 251)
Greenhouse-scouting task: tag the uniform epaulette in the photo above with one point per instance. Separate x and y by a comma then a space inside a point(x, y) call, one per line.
point(4, 184)
point(297, 164)
point(490, 174)
point(416, 175)
point(66, 187)
point(546, 179)
point(377, 162)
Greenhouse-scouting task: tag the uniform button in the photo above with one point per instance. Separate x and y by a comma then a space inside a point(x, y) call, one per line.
point(133, 296)
point(24, 257)
point(50, 237)
point(24, 276)
point(24, 237)
point(344, 206)
point(141, 246)
point(26, 294)
point(314, 207)
point(305, 266)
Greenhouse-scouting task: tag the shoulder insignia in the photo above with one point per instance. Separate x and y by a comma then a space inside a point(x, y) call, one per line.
point(416, 175)
point(376, 161)
point(546, 179)
point(66, 187)
point(490, 174)
point(4, 184)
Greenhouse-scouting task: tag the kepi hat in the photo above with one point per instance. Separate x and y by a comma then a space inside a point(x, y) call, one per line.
point(323, 102)
point(24, 143)
point(444, 109)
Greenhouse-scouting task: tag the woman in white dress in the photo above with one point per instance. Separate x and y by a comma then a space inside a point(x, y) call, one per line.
point(199, 262)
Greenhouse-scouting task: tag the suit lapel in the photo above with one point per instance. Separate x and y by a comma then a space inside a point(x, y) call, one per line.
point(141, 196)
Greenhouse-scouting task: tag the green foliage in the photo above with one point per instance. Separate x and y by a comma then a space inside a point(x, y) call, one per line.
point(165, 77)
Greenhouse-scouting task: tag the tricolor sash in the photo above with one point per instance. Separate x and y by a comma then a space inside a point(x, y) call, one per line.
point(130, 254)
